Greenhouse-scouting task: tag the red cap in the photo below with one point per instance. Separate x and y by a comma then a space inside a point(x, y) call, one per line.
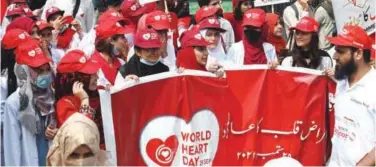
point(29, 53)
point(18, 1)
point(132, 8)
point(110, 14)
point(27, 11)
point(158, 20)
point(192, 38)
point(13, 10)
point(254, 17)
point(43, 25)
point(212, 23)
point(53, 10)
point(353, 36)
point(77, 61)
point(147, 38)
point(110, 28)
point(14, 37)
point(307, 24)
point(205, 12)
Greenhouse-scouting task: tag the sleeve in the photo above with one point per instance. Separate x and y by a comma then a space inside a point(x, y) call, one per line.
point(12, 136)
point(90, 17)
point(102, 81)
point(87, 43)
point(287, 62)
point(231, 54)
point(75, 41)
point(64, 109)
point(229, 36)
point(320, 16)
point(289, 18)
point(119, 79)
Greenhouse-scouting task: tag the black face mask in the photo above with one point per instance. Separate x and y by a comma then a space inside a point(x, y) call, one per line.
point(346, 70)
point(252, 35)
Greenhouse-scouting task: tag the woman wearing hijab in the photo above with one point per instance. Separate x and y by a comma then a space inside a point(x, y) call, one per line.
point(106, 35)
point(305, 52)
point(275, 32)
point(194, 53)
point(146, 60)
point(253, 49)
point(29, 112)
point(77, 144)
point(76, 89)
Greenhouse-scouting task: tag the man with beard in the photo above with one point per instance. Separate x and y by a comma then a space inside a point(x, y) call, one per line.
point(253, 48)
point(354, 135)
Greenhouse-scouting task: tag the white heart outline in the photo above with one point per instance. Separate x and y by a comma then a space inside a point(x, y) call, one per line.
point(31, 53)
point(146, 36)
point(201, 121)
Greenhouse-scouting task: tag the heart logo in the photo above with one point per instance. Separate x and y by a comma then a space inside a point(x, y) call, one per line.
point(51, 10)
point(249, 15)
point(38, 23)
point(157, 17)
point(32, 53)
point(82, 60)
point(113, 14)
point(21, 36)
point(206, 8)
point(161, 152)
point(198, 36)
point(180, 143)
point(211, 21)
point(133, 8)
point(146, 36)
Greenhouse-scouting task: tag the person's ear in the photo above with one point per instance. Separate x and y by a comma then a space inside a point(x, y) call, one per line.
point(358, 54)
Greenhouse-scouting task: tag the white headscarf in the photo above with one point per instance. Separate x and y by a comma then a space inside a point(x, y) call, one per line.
point(216, 55)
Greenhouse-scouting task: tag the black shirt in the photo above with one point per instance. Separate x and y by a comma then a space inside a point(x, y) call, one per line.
point(135, 67)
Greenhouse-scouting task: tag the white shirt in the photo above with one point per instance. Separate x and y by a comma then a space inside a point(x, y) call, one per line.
point(229, 35)
point(289, 15)
point(354, 129)
point(87, 44)
point(326, 63)
point(236, 53)
point(85, 14)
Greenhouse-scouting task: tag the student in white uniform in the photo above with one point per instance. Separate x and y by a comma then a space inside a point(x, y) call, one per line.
point(29, 121)
point(253, 48)
point(305, 52)
point(354, 137)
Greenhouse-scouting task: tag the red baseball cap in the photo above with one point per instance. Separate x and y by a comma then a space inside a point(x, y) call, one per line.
point(158, 20)
point(192, 38)
point(27, 11)
point(29, 53)
point(307, 24)
point(12, 11)
point(212, 23)
point(18, 1)
point(110, 28)
point(53, 10)
point(14, 37)
point(147, 38)
point(205, 12)
point(353, 36)
point(254, 17)
point(132, 8)
point(77, 61)
point(43, 25)
point(110, 14)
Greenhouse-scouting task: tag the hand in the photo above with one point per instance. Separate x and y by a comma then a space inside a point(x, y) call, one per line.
point(108, 87)
point(37, 12)
point(43, 44)
point(273, 65)
point(220, 73)
point(180, 70)
point(51, 132)
point(329, 72)
point(132, 77)
point(214, 67)
point(76, 25)
point(78, 90)
point(59, 23)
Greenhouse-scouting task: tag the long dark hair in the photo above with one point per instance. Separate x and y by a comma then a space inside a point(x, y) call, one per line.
point(64, 84)
point(298, 59)
point(7, 62)
point(238, 15)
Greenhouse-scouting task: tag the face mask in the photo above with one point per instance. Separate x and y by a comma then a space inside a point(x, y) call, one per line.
point(252, 35)
point(143, 61)
point(43, 81)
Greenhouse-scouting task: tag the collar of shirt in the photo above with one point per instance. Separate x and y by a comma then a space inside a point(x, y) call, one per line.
point(366, 79)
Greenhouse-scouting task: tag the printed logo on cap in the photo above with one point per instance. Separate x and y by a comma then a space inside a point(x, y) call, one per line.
point(26, 10)
point(38, 23)
point(82, 60)
point(146, 36)
point(344, 32)
point(315, 28)
point(31, 53)
point(198, 36)
point(157, 17)
point(118, 24)
point(51, 10)
point(211, 21)
point(206, 8)
point(113, 14)
point(133, 7)
point(358, 44)
point(249, 15)
point(21, 36)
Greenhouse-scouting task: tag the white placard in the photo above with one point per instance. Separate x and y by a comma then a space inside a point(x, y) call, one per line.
point(269, 2)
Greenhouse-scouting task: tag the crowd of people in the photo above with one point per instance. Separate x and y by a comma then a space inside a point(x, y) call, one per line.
point(55, 59)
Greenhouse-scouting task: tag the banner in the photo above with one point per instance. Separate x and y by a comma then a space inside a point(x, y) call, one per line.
point(269, 2)
point(355, 12)
point(195, 119)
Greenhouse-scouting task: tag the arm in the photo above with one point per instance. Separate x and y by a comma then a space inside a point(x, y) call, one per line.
point(289, 17)
point(368, 160)
point(320, 16)
point(64, 109)
point(90, 17)
point(12, 136)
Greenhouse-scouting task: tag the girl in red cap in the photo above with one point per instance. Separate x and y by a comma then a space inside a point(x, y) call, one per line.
point(29, 121)
point(76, 89)
point(146, 60)
point(254, 49)
point(26, 24)
point(305, 52)
point(194, 53)
point(275, 32)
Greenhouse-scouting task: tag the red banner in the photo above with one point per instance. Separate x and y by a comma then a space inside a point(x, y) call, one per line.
point(249, 118)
